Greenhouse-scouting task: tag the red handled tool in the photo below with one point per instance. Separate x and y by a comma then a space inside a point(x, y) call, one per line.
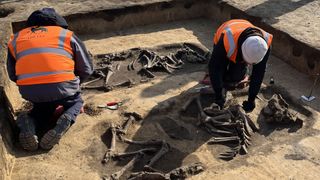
point(113, 105)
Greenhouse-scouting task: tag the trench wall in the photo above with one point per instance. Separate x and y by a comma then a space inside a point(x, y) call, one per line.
point(9, 97)
point(294, 52)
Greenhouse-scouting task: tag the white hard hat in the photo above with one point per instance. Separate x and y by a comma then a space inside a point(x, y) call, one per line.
point(254, 48)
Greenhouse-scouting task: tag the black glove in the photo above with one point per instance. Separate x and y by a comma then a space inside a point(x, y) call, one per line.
point(248, 106)
point(220, 102)
point(219, 99)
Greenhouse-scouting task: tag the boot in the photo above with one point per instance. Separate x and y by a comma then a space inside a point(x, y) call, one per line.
point(27, 135)
point(53, 136)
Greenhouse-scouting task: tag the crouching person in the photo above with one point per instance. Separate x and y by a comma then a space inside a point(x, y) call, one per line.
point(239, 44)
point(48, 63)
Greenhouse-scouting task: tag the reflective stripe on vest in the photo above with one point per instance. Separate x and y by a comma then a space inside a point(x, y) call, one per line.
point(14, 44)
point(61, 51)
point(231, 42)
point(41, 57)
point(43, 50)
point(266, 37)
point(62, 38)
point(232, 30)
point(32, 75)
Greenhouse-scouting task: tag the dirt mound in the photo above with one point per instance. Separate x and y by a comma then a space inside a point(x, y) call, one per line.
point(92, 109)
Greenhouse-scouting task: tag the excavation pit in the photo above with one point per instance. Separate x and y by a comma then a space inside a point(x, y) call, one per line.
point(164, 27)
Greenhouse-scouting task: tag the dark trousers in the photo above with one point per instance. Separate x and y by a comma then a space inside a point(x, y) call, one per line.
point(43, 113)
point(234, 73)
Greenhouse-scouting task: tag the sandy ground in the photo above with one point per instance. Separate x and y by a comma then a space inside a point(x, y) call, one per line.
point(63, 7)
point(275, 154)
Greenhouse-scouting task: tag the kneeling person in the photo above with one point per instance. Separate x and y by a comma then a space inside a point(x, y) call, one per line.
point(48, 63)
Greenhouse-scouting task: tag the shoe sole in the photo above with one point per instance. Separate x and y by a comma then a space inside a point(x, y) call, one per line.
point(50, 139)
point(28, 141)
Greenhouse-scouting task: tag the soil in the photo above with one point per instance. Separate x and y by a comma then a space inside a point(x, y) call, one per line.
point(23, 8)
point(278, 152)
point(25, 107)
point(298, 18)
point(92, 109)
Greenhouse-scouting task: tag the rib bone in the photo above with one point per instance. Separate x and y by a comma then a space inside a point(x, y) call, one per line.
point(223, 139)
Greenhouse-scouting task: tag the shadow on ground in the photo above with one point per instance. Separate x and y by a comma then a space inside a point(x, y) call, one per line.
point(168, 122)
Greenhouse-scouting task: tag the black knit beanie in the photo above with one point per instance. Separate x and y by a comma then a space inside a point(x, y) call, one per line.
point(46, 17)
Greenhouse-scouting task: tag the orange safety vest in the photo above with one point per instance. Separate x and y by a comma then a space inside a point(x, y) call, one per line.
point(232, 30)
point(43, 55)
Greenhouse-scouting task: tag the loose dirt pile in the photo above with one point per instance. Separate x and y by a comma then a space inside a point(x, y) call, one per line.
point(92, 109)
